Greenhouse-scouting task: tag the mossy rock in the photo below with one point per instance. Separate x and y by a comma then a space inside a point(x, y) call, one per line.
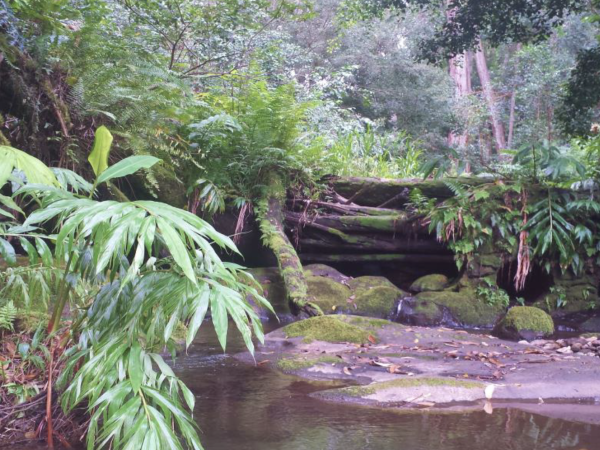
point(329, 329)
point(579, 298)
point(368, 282)
point(330, 295)
point(433, 282)
point(170, 189)
point(322, 270)
point(374, 296)
point(462, 308)
point(419, 312)
point(293, 364)
point(404, 383)
point(591, 325)
point(525, 322)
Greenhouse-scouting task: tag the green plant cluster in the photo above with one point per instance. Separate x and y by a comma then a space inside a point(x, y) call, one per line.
point(126, 298)
point(543, 208)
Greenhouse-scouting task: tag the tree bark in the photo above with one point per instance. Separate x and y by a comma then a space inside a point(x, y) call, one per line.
point(397, 224)
point(375, 191)
point(270, 217)
point(511, 119)
point(460, 72)
point(490, 97)
point(364, 244)
point(376, 257)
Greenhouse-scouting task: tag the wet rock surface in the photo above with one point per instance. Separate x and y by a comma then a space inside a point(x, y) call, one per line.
point(409, 366)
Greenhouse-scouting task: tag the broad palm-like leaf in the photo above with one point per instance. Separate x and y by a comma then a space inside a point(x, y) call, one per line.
point(133, 395)
point(35, 170)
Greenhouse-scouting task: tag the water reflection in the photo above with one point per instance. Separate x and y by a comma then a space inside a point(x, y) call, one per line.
point(241, 407)
point(252, 408)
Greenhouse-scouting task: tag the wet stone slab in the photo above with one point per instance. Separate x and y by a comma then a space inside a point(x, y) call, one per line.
point(407, 367)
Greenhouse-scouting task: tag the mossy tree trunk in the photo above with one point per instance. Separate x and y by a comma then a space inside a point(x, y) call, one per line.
point(270, 216)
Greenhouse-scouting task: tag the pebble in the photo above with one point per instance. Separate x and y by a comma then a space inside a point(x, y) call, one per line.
point(585, 346)
point(576, 347)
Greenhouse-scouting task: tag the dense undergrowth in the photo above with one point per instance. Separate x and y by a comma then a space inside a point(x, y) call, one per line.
point(224, 95)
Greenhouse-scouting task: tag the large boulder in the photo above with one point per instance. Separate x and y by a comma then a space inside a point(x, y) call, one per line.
point(332, 291)
point(419, 312)
point(374, 296)
point(433, 282)
point(525, 322)
point(571, 294)
point(330, 295)
point(592, 325)
point(323, 270)
point(453, 308)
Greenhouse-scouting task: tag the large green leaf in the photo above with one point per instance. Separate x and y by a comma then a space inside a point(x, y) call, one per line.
point(127, 166)
point(36, 171)
point(99, 156)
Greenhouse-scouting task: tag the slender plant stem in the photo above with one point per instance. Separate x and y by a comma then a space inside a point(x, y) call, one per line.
point(61, 301)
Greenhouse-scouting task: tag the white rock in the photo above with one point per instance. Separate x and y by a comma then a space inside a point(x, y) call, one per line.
point(565, 350)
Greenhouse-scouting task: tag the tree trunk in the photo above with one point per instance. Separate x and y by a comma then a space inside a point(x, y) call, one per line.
point(490, 97)
point(270, 216)
point(460, 72)
point(511, 119)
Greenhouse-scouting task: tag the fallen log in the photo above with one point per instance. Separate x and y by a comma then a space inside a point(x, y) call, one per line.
point(400, 223)
point(376, 257)
point(346, 209)
point(362, 244)
point(391, 193)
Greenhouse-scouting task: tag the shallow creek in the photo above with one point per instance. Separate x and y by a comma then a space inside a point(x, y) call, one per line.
point(245, 407)
point(254, 408)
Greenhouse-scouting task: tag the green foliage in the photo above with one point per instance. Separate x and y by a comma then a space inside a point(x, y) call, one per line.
point(131, 303)
point(255, 132)
point(99, 156)
point(8, 314)
point(35, 170)
point(372, 154)
point(492, 294)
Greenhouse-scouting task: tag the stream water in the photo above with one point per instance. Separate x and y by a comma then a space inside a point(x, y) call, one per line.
point(243, 407)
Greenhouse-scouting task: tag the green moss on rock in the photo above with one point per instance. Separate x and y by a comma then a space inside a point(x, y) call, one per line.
point(433, 282)
point(328, 329)
point(293, 364)
point(328, 294)
point(374, 296)
point(525, 322)
point(323, 270)
point(464, 307)
point(370, 389)
point(369, 322)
